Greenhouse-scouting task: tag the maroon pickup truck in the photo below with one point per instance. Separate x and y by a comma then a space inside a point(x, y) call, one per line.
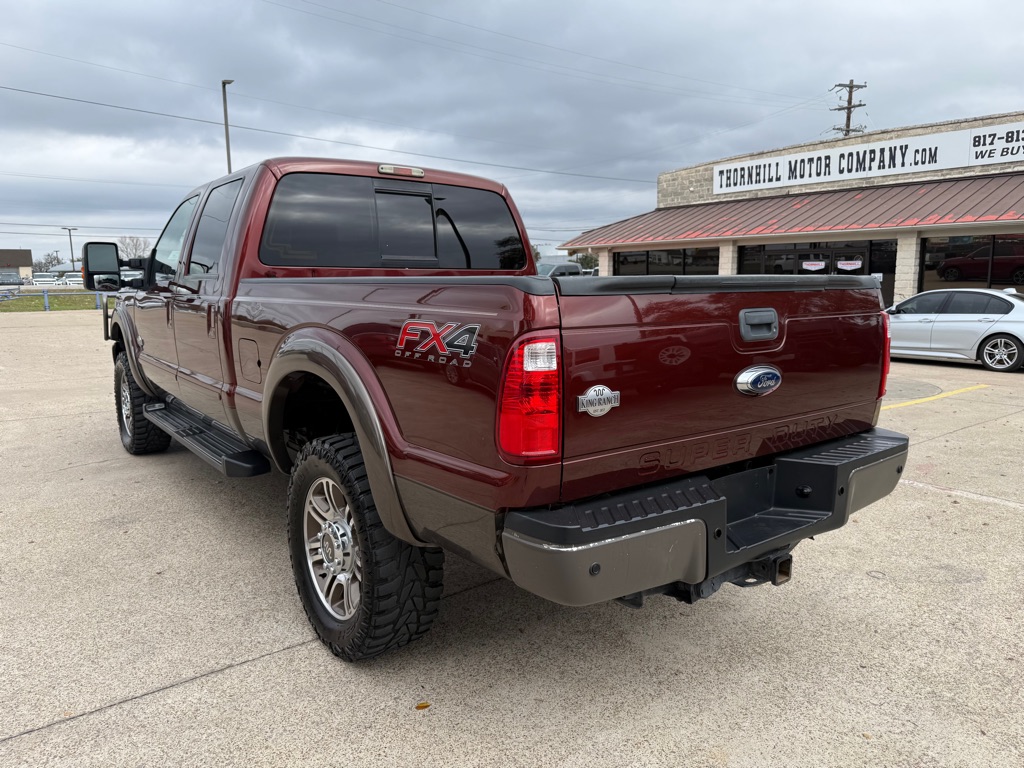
point(380, 334)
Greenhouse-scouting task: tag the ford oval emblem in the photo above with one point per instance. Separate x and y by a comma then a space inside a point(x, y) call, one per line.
point(758, 380)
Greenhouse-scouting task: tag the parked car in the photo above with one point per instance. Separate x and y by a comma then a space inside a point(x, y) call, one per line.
point(44, 278)
point(971, 324)
point(1006, 267)
point(10, 278)
point(559, 270)
point(73, 279)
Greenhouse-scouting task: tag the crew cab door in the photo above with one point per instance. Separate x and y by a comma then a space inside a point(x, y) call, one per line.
point(154, 325)
point(197, 306)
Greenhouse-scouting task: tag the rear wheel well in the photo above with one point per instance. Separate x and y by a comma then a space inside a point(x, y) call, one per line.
point(984, 341)
point(304, 407)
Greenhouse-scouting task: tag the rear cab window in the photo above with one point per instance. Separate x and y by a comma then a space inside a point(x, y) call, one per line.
point(333, 221)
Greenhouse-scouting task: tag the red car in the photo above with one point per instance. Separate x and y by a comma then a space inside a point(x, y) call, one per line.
point(1006, 267)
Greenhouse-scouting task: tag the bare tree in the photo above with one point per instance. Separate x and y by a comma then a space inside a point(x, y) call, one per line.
point(132, 247)
point(51, 259)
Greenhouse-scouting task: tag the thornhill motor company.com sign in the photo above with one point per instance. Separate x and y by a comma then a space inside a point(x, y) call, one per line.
point(931, 152)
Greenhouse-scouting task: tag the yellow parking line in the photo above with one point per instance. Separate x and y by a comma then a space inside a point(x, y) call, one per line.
point(936, 397)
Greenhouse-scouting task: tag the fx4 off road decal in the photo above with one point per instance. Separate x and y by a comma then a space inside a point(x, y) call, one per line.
point(449, 344)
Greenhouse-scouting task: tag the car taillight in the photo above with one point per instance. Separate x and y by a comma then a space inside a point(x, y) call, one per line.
point(885, 355)
point(529, 409)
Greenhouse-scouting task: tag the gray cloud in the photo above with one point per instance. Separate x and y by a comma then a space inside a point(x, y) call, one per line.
point(622, 90)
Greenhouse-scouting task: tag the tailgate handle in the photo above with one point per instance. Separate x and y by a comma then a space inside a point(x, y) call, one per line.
point(760, 324)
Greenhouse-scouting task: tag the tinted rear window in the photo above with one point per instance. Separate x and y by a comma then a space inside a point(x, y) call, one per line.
point(321, 220)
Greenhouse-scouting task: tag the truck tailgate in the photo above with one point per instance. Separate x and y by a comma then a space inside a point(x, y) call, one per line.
point(673, 347)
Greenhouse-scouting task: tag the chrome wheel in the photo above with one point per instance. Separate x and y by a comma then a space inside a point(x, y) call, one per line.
point(1001, 354)
point(126, 406)
point(332, 552)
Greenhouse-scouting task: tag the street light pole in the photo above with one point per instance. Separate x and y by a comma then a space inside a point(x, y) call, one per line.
point(69, 229)
point(227, 137)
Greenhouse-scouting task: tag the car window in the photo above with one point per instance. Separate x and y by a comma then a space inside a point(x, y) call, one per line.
point(406, 227)
point(213, 229)
point(545, 269)
point(997, 306)
point(922, 304)
point(167, 253)
point(966, 303)
point(321, 220)
point(326, 220)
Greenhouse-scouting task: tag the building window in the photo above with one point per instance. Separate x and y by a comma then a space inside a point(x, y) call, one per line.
point(972, 262)
point(678, 261)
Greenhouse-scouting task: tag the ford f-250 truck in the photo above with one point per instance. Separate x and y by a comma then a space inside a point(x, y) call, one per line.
point(379, 333)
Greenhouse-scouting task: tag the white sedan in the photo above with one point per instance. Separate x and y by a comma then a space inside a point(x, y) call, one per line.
point(969, 324)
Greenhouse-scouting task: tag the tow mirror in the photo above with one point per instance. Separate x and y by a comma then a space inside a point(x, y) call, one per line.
point(101, 267)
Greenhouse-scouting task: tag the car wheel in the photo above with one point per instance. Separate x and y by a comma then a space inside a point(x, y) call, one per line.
point(138, 435)
point(1018, 276)
point(364, 591)
point(951, 274)
point(1002, 353)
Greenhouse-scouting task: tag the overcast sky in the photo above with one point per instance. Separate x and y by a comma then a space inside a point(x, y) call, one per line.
point(542, 96)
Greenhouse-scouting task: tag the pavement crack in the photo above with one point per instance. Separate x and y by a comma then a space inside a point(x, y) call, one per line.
point(145, 694)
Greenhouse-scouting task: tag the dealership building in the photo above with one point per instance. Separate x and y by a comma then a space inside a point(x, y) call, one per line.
point(923, 207)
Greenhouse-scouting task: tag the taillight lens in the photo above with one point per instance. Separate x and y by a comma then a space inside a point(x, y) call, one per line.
point(885, 355)
point(530, 408)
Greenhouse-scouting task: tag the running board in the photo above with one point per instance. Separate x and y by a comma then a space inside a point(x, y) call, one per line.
point(209, 442)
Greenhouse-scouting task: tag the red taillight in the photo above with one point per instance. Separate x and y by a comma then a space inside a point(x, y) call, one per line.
point(530, 407)
point(885, 355)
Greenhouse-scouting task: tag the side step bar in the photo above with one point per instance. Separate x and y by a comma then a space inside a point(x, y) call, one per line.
point(209, 442)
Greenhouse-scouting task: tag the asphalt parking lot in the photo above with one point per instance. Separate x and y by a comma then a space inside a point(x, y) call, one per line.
point(149, 616)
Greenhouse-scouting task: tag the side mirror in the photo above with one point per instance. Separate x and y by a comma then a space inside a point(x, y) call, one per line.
point(101, 267)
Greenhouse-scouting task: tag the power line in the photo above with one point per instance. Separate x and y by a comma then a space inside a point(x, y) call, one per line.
point(80, 226)
point(90, 181)
point(581, 53)
point(44, 234)
point(547, 67)
point(239, 94)
point(286, 134)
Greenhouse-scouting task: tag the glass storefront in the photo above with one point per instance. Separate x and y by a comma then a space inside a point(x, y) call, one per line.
point(988, 261)
point(678, 261)
point(855, 257)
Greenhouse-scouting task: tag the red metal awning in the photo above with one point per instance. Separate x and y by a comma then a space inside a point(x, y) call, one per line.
point(927, 204)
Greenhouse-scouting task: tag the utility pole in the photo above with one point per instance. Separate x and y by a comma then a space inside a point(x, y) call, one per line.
point(71, 243)
point(850, 87)
point(227, 137)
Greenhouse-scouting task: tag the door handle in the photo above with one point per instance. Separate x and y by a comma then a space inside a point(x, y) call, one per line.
point(924, 320)
point(986, 320)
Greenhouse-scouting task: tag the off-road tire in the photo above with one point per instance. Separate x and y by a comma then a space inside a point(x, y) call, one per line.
point(138, 434)
point(399, 586)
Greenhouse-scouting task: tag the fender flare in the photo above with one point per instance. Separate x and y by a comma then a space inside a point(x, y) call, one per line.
point(326, 354)
point(129, 340)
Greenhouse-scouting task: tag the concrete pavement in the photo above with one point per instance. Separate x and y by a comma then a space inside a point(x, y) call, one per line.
point(149, 616)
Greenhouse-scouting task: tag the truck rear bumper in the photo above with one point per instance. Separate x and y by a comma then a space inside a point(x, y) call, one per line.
point(689, 531)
